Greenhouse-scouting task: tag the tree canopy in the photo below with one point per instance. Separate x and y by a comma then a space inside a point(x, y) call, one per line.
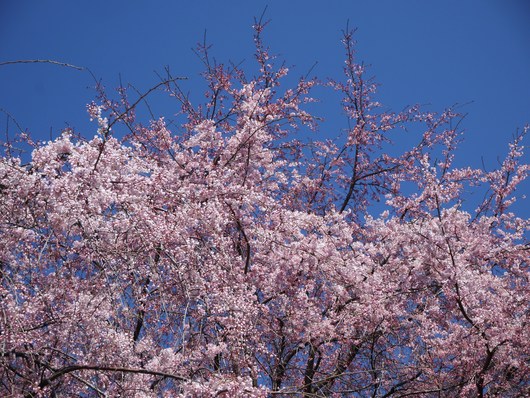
point(236, 254)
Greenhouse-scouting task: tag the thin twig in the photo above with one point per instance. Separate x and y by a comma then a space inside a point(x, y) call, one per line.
point(41, 61)
point(10, 116)
point(142, 97)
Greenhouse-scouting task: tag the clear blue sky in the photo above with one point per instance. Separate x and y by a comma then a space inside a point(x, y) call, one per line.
point(429, 52)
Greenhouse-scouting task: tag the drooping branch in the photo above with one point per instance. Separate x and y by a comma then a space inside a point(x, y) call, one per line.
point(69, 369)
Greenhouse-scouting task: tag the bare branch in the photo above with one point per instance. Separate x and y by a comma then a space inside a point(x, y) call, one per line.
point(41, 61)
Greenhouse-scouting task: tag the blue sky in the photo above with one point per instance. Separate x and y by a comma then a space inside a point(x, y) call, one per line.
point(436, 53)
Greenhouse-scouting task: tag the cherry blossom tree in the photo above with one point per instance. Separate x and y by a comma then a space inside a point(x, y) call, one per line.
point(237, 255)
